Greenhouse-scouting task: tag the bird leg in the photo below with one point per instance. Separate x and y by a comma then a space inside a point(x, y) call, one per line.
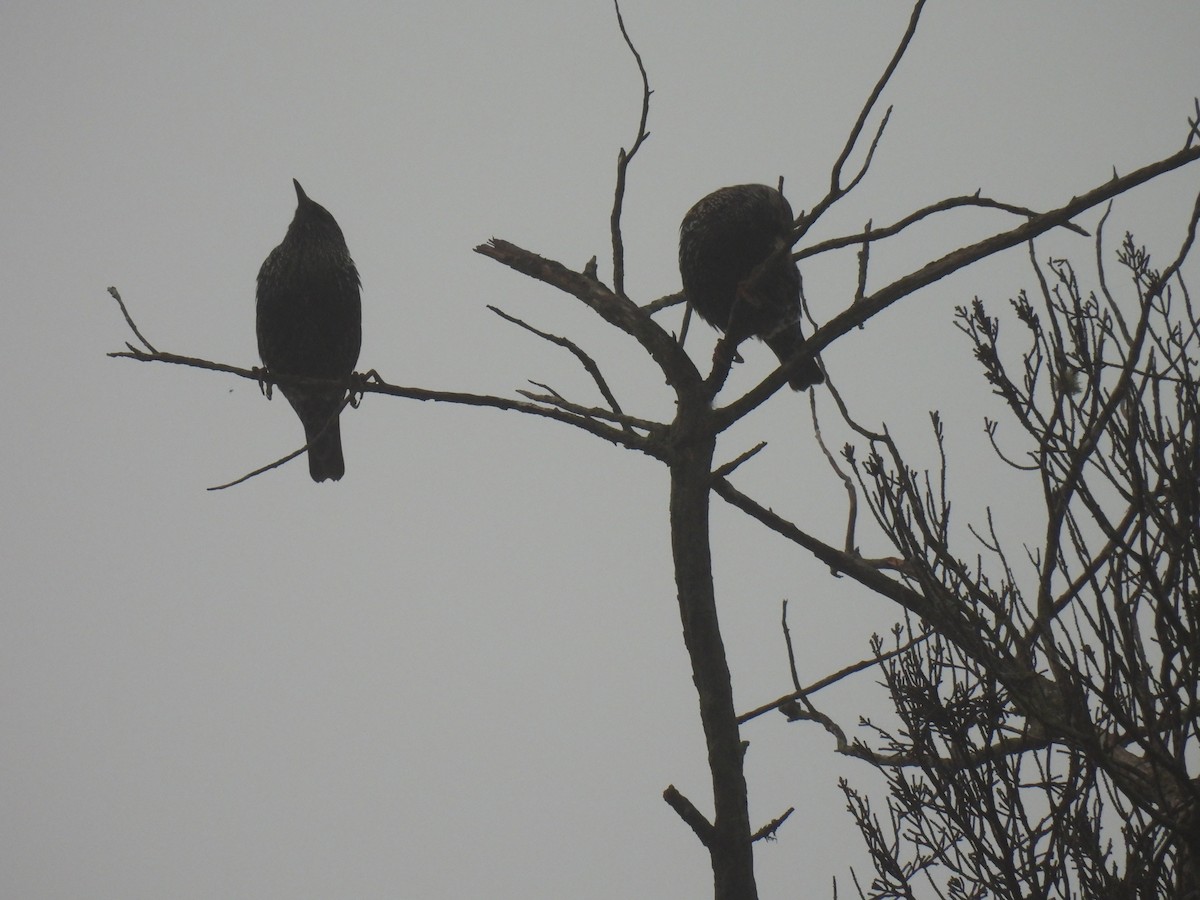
point(357, 382)
point(263, 385)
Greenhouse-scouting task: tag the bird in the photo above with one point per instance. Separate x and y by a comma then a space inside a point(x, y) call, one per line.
point(723, 240)
point(309, 324)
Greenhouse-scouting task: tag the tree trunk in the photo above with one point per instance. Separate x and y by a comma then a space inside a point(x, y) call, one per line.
point(729, 841)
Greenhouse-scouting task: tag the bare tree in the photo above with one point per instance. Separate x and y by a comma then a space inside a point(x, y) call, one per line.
point(1081, 684)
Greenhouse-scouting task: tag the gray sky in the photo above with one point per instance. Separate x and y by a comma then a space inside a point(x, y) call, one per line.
point(458, 672)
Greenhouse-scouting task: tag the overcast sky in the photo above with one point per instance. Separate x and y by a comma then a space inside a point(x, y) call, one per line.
point(458, 672)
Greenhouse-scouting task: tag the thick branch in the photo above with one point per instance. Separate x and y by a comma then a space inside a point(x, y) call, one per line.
point(613, 308)
point(870, 306)
point(688, 812)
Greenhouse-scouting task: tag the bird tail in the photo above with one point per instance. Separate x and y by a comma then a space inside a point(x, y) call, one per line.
point(325, 451)
point(320, 415)
point(785, 343)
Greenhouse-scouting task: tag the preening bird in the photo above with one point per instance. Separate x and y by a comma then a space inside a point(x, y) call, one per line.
point(310, 324)
point(722, 241)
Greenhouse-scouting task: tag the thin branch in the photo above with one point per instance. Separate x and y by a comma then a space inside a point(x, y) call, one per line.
point(836, 189)
point(869, 234)
point(621, 437)
point(862, 171)
point(267, 468)
point(852, 669)
point(836, 175)
point(257, 375)
point(623, 160)
point(587, 423)
point(586, 361)
point(844, 411)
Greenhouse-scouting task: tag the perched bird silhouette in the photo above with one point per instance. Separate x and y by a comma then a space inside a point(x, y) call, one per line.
point(722, 241)
point(310, 324)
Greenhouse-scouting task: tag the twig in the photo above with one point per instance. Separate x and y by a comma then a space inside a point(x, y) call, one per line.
point(348, 400)
point(683, 327)
point(664, 302)
point(989, 428)
point(116, 295)
point(767, 832)
point(851, 492)
point(279, 462)
point(553, 398)
point(729, 467)
point(551, 393)
point(862, 172)
point(864, 259)
point(791, 652)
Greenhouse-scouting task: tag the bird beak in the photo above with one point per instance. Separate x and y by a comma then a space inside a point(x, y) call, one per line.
point(300, 195)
